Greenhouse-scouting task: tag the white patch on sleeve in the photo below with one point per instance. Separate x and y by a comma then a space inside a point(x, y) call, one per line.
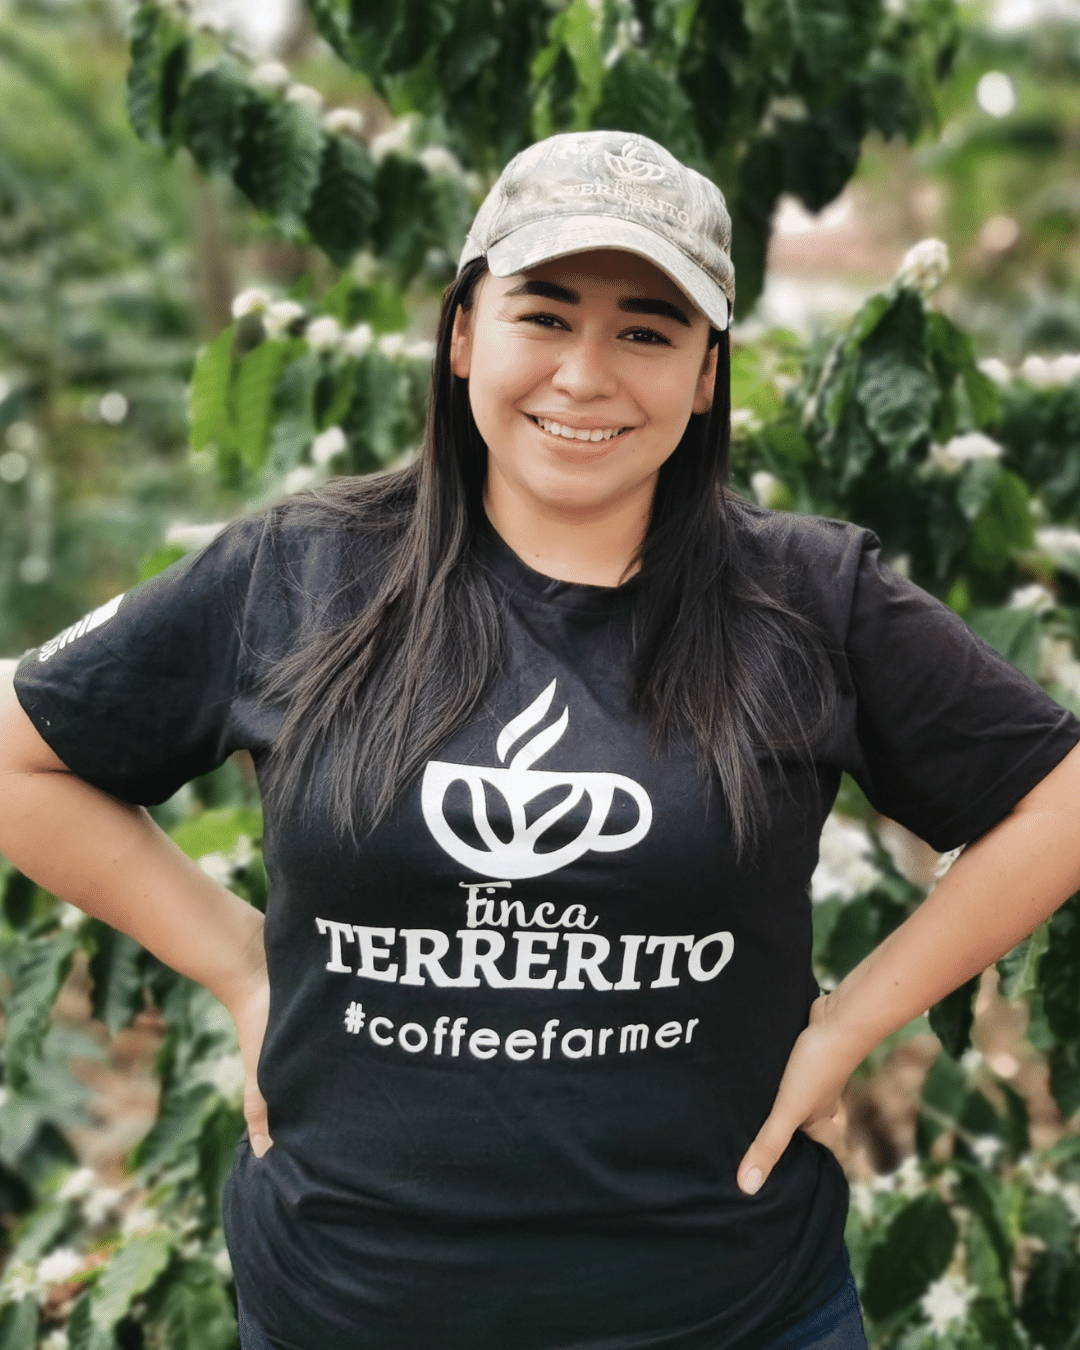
point(94, 619)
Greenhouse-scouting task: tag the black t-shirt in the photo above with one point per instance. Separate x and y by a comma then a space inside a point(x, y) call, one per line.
point(518, 1045)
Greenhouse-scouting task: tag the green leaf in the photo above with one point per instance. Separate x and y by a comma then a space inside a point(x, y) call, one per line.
point(216, 831)
point(344, 206)
point(211, 117)
point(160, 50)
point(40, 967)
point(293, 426)
point(132, 1270)
point(19, 1323)
point(175, 1133)
point(254, 390)
point(1019, 967)
point(1015, 633)
point(914, 1252)
point(279, 158)
point(116, 980)
point(952, 1017)
point(1050, 1305)
point(208, 394)
point(638, 96)
point(1003, 526)
point(195, 1312)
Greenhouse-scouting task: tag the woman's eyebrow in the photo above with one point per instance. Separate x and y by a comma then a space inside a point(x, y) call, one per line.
point(633, 304)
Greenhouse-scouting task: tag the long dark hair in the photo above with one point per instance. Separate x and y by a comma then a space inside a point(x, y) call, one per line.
point(716, 656)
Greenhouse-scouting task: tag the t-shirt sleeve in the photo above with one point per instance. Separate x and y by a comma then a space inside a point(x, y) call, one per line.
point(950, 734)
point(137, 696)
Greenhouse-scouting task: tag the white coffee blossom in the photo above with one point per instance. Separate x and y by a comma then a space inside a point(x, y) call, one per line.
point(963, 449)
point(1070, 1193)
point(344, 121)
point(77, 1183)
point(420, 349)
point(845, 868)
point(1059, 542)
point(1046, 1182)
point(57, 1339)
point(1035, 597)
point(244, 851)
point(357, 340)
point(222, 1264)
point(226, 1073)
point(908, 1179)
point(305, 95)
point(19, 1281)
point(1058, 663)
point(437, 160)
point(323, 333)
point(70, 915)
point(270, 75)
point(768, 489)
point(100, 1203)
point(252, 301)
point(391, 344)
point(972, 1059)
point(300, 478)
point(59, 1264)
point(144, 1219)
point(397, 137)
point(745, 419)
point(218, 866)
point(279, 315)
point(192, 535)
point(862, 1198)
point(996, 369)
point(328, 444)
point(924, 266)
point(986, 1148)
point(946, 1301)
point(1049, 371)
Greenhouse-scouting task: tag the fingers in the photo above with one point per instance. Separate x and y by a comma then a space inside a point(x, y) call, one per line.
point(260, 1142)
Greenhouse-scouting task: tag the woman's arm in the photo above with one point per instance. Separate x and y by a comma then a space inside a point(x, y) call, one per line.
point(999, 889)
point(111, 860)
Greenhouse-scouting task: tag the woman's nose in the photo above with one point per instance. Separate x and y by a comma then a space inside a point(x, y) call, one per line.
point(586, 370)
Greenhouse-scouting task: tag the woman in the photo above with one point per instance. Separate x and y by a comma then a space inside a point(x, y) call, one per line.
point(533, 1000)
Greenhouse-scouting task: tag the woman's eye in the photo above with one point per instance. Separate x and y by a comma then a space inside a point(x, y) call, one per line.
point(651, 333)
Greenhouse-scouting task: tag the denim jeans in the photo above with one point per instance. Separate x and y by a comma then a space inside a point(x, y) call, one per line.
point(835, 1324)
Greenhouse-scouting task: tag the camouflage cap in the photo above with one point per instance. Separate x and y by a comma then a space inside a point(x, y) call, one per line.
point(609, 189)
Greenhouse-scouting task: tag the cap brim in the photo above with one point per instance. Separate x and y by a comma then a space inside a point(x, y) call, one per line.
point(542, 240)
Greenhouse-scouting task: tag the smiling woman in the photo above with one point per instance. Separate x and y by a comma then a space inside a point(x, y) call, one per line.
point(579, 406)
point(547, 724)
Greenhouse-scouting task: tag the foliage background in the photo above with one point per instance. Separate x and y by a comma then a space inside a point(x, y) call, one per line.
point(220, 266)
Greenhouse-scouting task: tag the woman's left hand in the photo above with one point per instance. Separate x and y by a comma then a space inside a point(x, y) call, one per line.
point(809, 1098)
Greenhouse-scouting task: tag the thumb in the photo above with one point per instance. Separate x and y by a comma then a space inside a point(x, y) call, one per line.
point(761, 1157)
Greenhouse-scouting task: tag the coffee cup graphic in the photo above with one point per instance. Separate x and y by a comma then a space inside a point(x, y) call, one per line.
point(517, 784)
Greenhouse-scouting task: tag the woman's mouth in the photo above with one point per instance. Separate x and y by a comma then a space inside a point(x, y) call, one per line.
point(580, 448)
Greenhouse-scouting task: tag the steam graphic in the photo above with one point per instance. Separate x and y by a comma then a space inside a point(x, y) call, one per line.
point(518, 783)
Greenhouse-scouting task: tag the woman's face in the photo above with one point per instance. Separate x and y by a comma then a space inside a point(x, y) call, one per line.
point(598, 339)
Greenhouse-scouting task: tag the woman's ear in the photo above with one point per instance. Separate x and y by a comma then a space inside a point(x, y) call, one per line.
point(461, 343)
point(703, 394)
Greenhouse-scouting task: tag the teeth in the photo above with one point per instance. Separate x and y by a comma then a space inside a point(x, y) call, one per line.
point(572, 435)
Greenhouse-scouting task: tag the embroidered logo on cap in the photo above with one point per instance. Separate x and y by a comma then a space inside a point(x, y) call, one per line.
point(630, 164)
point(517, 784)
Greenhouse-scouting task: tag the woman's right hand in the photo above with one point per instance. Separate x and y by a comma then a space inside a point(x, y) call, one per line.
point(249, 1005)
